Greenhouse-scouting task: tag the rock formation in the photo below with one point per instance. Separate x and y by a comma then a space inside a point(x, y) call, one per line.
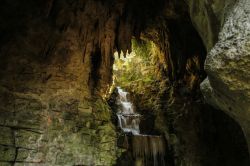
point(56, 60)
point(227, 64)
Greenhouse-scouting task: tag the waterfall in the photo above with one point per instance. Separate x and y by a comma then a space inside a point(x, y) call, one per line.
point(145, 147)
point(128, 120)
point(149, 147)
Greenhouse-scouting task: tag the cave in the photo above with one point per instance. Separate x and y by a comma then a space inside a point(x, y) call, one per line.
point(124, 82)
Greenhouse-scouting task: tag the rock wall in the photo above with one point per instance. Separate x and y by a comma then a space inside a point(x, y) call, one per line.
point(227, 63)
point(208, 18)
point(50, 110)
point(56, 63)
point(197, 134)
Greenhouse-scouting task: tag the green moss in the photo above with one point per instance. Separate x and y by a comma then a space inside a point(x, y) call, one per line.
point(5, 164)
point(7, 137)
point(7, 153)
point(101, 110)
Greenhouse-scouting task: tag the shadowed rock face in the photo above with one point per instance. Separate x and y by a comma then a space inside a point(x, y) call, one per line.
point(47, 113)
point(208, 17)
point(227, 64)
point(56, 61)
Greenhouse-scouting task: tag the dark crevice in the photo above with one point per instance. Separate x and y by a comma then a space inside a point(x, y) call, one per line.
point(185, 43)
point(224, 139)
point(16, 149)
point(96, 60)
point(34, 130)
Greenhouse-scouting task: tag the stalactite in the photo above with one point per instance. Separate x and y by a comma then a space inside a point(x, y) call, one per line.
point(48, 7)
point(102, 28)
point(107, 26)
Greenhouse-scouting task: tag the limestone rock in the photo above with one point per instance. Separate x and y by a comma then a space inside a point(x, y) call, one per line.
point(208, 17)
point(228, 64)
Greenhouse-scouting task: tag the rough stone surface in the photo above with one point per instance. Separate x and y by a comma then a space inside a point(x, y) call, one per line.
point(227, 86)
point(208, 17)
point(48, 115)
point(56, 61)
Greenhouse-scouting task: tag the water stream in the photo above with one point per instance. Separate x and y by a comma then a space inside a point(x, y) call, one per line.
point(145, 147)
point(128, 119)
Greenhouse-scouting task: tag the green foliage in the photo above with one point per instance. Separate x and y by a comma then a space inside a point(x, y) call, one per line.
point(136, 70)
point(142, 49)
point(140, 73)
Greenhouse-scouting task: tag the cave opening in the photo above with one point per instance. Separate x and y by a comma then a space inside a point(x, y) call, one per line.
point(140, 73)
point(153, 79)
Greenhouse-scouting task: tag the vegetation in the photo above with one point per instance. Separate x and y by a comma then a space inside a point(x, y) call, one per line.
point(141, 73)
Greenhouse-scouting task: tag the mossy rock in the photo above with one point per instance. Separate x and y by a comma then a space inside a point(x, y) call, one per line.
point(102, 110)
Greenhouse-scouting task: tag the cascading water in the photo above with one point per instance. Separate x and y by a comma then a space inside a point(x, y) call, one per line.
point(149, 147)
point(145, 147)
point(128, 120)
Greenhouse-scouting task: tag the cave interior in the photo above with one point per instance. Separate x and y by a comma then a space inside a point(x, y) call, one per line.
point(124, 82)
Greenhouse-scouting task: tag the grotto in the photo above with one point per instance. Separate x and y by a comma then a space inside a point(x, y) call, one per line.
point(125, 83)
